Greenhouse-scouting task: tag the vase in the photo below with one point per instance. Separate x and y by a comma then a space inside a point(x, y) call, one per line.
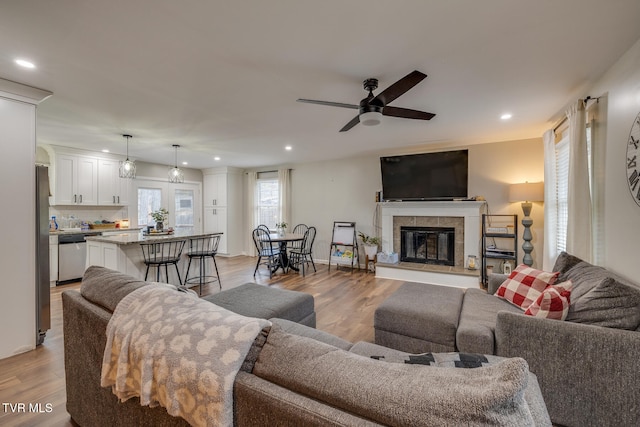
point(371, 250)
point(159, 226)
point(281, 232)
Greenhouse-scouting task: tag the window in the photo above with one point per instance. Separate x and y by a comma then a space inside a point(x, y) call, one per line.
point(268, 201)
point(149, 200)
point(184, 209)
point(562, 186)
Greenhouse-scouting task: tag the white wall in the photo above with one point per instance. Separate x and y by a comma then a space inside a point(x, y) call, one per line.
point(344, 190)
point(621, 87)
point(17, 254)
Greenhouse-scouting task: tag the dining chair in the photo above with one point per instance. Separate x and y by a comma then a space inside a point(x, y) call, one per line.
point(298, 229)
point(301, 257)
point(157, 254)
point(201, 248)
point(266, 250)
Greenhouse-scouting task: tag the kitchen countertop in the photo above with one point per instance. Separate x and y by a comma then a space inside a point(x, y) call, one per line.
point(134, 238)
point(93, 231)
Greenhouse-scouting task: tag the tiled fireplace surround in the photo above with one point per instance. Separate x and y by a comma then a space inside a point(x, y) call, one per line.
point(463, 216)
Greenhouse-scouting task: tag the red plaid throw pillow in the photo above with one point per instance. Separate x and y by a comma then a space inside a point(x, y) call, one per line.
point(524, 285)
point(553, 302)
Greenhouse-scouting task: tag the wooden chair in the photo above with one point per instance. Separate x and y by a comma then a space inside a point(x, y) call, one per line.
point(266, 250)
point(301, 257)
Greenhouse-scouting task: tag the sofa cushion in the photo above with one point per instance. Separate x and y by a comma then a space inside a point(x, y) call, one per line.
point(478, 316)
point(610, 304)
point(553, 302)
point(524, 285)
point(396, 394)
point(106, 287)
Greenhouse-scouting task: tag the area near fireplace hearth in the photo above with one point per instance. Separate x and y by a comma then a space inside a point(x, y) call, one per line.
point(433, 241)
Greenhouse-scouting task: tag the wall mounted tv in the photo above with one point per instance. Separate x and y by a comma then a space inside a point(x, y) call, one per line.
point(429, 176)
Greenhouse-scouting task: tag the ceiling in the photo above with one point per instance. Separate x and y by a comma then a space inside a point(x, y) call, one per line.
point(221, 78)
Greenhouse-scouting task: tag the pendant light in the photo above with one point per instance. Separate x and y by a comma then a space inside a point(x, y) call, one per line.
point(127, 167)
point(176, 175)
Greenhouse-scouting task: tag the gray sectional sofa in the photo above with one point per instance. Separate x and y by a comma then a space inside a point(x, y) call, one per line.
point(587, 366)
point(295, 375)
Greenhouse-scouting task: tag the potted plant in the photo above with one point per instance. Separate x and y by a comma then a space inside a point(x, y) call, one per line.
point(370, 244)
point(160, 216)
point(282, 227)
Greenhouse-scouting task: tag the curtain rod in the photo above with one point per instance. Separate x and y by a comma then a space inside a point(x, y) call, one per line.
point(564, 119)
point(247, 173)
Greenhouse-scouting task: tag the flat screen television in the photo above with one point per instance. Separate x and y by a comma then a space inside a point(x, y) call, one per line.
point(428, 176)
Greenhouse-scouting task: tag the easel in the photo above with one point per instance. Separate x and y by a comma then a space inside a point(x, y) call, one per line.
point(344, 245)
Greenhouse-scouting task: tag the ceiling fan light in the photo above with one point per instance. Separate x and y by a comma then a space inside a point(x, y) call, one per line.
point(371, 118)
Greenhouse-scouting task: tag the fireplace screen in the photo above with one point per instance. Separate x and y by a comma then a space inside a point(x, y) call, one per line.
point(427, 245)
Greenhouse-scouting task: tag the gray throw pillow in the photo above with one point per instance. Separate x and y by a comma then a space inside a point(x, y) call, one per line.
point(610, 304)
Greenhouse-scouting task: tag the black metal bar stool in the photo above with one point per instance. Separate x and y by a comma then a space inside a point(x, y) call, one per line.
point(202, 248)
point(157, 254)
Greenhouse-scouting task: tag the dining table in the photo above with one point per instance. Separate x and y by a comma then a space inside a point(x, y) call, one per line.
point(283, 240)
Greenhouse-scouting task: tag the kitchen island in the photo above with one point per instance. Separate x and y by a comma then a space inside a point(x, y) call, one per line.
point(122, 252)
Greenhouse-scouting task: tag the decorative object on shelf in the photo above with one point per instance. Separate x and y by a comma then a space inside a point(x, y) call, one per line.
point(631, 163)
point(526, 193)
point(506, 267)
point(370, 244)
point(176, 175)
point(472, 262)
point(160, 217)
point(127, 167)
point(281, 227)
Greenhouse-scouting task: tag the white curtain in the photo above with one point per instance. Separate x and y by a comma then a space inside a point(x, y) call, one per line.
point(284, 187)
point(251, 219)
point(579, 231)
point(550, 201)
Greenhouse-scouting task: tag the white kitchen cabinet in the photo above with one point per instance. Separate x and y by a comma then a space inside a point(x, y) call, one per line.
point(215, 220)
point(53, 260)
point(102, 255)
point(112, 190)
point(222, 200)
point(215, 189)
point(76, 180)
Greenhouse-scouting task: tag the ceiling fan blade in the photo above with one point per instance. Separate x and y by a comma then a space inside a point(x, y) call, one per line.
point(406, 113)
point(351, 124)
point(399, 88)
point(330, 104)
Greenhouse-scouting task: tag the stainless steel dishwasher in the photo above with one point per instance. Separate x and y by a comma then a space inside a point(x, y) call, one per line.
point(72, 255)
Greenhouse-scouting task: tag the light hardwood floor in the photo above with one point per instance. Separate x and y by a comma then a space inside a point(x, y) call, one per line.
point(344, 301)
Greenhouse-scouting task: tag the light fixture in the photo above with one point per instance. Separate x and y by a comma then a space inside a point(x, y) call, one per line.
point(506, 116)
point(24, 63)
point(288, 148)
point(371, 118)
point(127, 167)
point(527, 193)
point(216, 158)
point(176, 175)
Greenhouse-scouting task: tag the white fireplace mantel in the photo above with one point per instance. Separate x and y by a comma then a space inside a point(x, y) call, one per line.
point(471, 211)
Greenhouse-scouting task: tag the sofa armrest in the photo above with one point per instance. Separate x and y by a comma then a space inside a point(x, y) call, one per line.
point(495, 280)
point(589, 375)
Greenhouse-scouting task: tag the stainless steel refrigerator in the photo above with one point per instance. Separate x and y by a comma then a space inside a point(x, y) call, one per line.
point(43, 308)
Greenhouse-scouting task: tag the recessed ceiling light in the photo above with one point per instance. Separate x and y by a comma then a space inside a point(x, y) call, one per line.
point(185, 163)
point(216, 158)
point(506, 116)
point(105, 151)
point(288, 148)
point(24, 63)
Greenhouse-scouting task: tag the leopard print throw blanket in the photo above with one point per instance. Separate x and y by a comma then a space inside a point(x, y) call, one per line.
point(172, 349)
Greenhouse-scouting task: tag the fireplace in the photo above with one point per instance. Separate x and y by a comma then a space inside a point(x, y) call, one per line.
point(428, 245)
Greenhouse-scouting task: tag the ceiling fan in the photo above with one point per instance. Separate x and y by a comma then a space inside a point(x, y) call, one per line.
point(372, 108)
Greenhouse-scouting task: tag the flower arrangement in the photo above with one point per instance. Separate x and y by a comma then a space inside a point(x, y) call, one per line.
point(282, 225)
point(161, 215)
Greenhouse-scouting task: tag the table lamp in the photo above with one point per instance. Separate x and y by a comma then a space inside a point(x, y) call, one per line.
point(527, 193)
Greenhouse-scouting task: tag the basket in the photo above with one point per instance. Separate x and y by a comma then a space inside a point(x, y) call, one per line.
point(102, 226)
